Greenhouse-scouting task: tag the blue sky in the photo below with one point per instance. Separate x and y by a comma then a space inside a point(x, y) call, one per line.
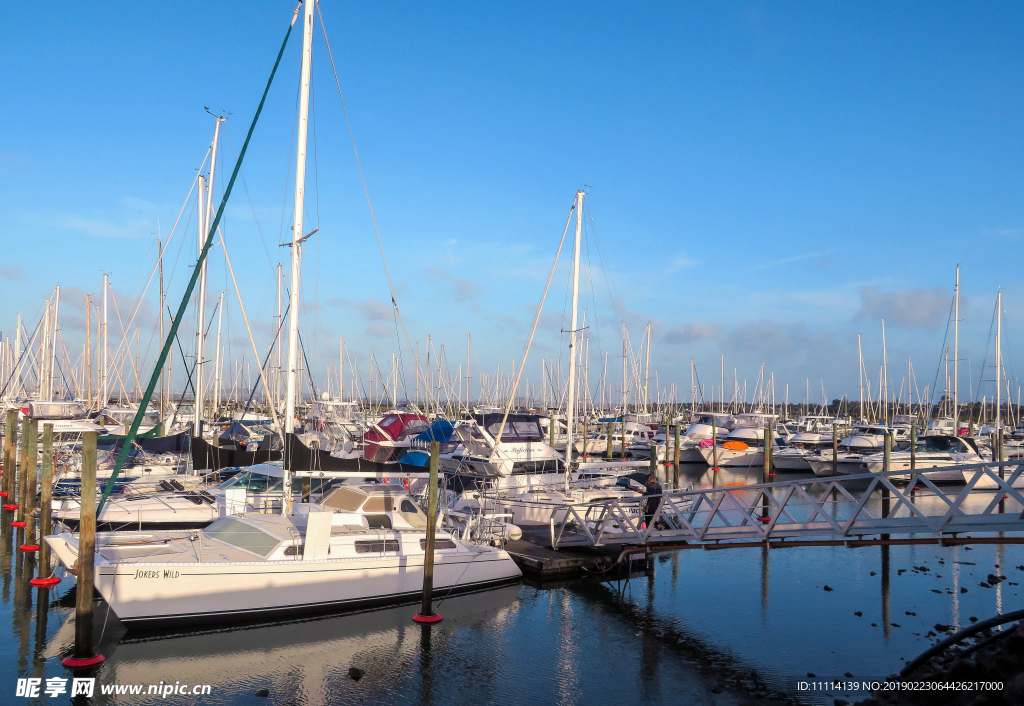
point(766, 180)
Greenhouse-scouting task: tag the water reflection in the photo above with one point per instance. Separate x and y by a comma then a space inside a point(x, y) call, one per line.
point(745, 622)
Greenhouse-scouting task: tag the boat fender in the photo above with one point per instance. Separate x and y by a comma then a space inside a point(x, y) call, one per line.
point(177, 485)
point(166, 486)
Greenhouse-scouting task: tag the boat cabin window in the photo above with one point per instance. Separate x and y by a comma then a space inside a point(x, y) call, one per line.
point(438, 544)
point(409, 506)
point(344, 499)
point(387, 421)
point(376, 547)
point(378, 521)
point(517, 431)
point(242, 535)
point(378, 503)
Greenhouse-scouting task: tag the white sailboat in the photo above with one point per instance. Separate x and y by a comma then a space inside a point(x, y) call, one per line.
point(311, 557)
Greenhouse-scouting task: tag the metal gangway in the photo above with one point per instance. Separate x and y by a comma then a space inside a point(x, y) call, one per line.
point(851, 510)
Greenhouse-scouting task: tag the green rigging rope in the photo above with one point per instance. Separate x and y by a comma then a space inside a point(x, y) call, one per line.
point(144, 404)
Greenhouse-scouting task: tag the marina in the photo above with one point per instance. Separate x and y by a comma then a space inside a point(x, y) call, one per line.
point(353, 422)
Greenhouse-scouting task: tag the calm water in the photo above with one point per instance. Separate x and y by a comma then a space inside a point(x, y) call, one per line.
point(743, 622)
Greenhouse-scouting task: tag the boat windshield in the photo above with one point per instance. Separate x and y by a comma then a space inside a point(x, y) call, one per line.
point(517, 431)
point(252, 482)
point(242, 535)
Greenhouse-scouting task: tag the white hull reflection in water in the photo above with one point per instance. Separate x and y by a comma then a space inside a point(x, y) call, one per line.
point(301, 661)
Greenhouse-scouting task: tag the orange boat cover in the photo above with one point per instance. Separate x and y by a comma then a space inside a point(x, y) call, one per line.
point(735, 446)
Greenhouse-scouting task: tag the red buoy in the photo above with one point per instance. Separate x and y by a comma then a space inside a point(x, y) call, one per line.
point(9, 506)
point(427, 619)
point(74, 663)
point(29, 547)
point(51, 581)
point(765, 519)
point(3, 493)
point(18, 524)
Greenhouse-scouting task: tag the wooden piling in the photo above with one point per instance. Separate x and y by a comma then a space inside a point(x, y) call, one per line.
point(913, 445)
point(622, 451)
point(714, 444)
point(609, 450)
point(46, 577)
point(10, 456)
point(767, 456)
point(426, 614)
point(19, 516)
point(675, 460)
point(835, 449)
point(83, 655)
point(31, 466)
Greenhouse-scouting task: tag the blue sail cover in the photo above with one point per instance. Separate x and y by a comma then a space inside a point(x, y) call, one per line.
point(441, 431)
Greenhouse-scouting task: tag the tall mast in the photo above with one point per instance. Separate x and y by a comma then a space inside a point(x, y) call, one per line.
point(216, 365)
point(197, 370)
point(53, 343)
point(160, 316)
point(999, 362)
point(956, 352)
point(625, 389)
point(860, 359)
point(647, 369)
point(885, 379)
point(104, 384)
point(17, 359)
point(341, 369)
point(88, 352)
point(44, 356)
point(570, 403)
point(294, 284)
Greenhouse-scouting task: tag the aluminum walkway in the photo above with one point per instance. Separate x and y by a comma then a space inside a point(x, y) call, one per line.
point(842, 509)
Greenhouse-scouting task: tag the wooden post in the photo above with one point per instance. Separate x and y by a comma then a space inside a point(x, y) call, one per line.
point(714, 444)
point(426, 614)
point(551, 430)
point(675, 460)
point(835, 449)
point(31, 467)
point(83, 655)
point(913, 445)
point(654, 459)
point(10, 462)
point(767, 455)
point(885, 469)
point(608, 437)
point(26, 432)
point(46, 577)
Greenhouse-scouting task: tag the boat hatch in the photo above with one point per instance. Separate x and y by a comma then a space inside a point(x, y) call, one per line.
point(242, 535)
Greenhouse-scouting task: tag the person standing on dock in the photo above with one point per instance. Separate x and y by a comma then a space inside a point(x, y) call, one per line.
point(651, 499)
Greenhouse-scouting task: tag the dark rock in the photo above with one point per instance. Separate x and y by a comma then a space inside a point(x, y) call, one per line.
point(356, 673)
point(874, 625)
point(963, 590)
point(973, 619)
point(858, 613)
point(896, 625)
point(942, 628)
point(872, 573)
point(968, 549)
point(984, 585)
point(828, 588)
point(848, 675)
point(935, 590)
point(1020, 568)
point(263, 693)
point(900, 572)
point(993, 579)
point(922, 568)
point(811, 675)
point(910, 612)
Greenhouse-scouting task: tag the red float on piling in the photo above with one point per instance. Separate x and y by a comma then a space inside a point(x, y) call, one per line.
point(52, 581)
point(3, 493)
point(29, 547)
point(765, 519)
point(18, 524)
point(427, 619)
point(10, 506)
point(73, 663)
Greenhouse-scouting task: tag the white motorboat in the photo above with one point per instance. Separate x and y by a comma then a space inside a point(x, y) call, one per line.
point(930, 452)
point(813, 434)
point(866, 439)
point(253, 566)
point(744, 446)
point(257, 489)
